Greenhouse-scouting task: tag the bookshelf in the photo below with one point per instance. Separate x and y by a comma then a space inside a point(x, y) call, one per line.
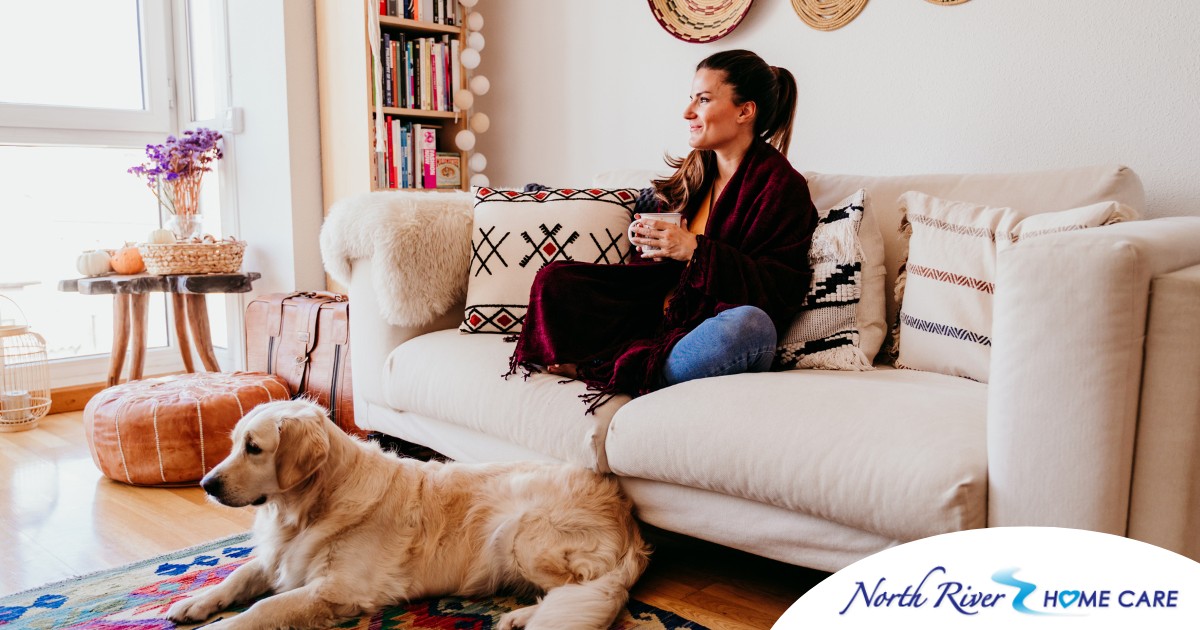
point(346, 88)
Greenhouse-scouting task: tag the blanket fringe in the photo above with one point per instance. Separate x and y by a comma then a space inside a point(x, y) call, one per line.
point(527, 369)
point(595, 400)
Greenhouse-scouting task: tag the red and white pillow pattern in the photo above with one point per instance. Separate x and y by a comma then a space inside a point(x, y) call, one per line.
point(517, 233)
point(945, 288)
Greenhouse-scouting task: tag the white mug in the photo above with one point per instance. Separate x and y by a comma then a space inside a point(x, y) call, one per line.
point(674, 218)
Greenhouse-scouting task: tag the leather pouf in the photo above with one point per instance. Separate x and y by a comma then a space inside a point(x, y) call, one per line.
point(170, 431)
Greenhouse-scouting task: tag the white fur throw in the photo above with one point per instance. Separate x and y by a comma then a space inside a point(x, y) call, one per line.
point(420, 241)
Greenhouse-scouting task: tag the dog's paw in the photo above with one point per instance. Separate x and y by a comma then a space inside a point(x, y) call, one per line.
point(518, 618)
point(193, 609)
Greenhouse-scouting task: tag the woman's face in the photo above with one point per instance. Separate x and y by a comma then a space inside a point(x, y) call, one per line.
point(714, 121)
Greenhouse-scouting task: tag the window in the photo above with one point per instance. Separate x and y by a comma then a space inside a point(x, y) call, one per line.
point(96, 82)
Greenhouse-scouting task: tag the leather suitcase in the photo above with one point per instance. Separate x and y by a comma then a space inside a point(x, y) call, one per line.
point(305, 339)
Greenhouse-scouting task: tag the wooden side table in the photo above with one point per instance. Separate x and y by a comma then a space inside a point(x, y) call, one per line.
point(131, 297)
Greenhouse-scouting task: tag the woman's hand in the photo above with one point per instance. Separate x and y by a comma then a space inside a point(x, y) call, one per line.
point(672, 241)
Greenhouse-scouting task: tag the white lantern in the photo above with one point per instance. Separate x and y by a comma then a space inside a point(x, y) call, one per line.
point(480, 180)
point(477, 162)
point(465, 140)
point(464, 99)
point(475, 41)
point(469, 58)
point(24, 371)
point(474, 21)
point(480, 122)
point(480, 85)
point(467, 3)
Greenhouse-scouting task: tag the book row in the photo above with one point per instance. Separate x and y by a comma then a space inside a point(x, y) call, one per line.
point(436, 11)
point(420, 73)
point(411, 158)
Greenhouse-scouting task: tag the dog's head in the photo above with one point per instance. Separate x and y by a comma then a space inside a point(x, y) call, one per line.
point(275, 447)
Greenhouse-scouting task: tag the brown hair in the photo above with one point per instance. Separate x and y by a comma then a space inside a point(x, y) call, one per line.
point(773, 91)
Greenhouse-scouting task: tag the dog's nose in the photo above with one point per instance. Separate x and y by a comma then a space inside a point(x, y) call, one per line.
point(211, 485)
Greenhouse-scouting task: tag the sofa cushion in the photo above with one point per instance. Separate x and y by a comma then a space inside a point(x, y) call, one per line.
point(456, 377)
point(894, 452)
point(516, 233)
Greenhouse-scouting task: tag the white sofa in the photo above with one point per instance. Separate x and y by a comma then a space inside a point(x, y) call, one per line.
point(1090, 419)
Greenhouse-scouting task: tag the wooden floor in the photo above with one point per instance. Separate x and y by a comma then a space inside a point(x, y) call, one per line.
point(59, 517)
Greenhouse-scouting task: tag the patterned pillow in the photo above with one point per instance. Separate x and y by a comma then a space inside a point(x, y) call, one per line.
point(825, 335)
point(517, 233)
point(945, 288)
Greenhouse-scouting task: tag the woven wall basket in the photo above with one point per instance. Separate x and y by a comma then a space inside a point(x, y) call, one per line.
point(828, 15)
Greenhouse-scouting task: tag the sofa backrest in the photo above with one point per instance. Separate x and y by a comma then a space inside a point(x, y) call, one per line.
point(1030, 192)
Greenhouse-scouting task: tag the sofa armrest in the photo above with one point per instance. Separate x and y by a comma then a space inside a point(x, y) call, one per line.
point(405, 257)
point(1067, 347)
point(1164, 505)
point(372, 337)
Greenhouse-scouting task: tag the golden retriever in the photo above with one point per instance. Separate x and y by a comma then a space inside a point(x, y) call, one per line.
point(346, 529)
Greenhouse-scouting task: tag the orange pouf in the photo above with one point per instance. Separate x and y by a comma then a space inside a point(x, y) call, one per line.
point(172, 430)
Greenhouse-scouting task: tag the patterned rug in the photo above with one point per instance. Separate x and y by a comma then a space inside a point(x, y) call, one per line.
point(136, 597)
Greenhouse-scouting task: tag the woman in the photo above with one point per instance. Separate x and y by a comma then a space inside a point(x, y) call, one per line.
point(710, 299)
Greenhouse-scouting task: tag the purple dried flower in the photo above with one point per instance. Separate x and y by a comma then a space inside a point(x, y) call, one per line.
point(173, 170)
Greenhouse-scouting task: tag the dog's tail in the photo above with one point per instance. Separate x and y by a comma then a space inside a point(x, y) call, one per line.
point(593, 604)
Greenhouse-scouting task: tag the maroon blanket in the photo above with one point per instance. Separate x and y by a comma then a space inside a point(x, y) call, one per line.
point(609, 319)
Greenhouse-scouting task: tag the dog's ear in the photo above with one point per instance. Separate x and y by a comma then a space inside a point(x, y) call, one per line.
point(303, 448)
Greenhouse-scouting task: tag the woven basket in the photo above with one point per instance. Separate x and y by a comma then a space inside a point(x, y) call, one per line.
point(223, 257)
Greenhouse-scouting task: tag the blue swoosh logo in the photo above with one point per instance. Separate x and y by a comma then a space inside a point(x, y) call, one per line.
point(1005, 576)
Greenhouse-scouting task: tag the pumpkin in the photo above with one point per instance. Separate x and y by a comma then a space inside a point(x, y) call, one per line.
point(161, 237)
point(128, 260)
point(93, 263)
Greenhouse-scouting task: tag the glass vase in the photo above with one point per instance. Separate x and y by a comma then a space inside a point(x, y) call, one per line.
point(186, 226)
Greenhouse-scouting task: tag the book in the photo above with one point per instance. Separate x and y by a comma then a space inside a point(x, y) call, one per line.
point(401, 71)
point(385, 53)
point(449, 170)
point(427, 150)
point(405, 175)
point(455, 78)
point(394, 176)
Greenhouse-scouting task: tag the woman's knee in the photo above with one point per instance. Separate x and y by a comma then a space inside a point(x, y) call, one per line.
point(751, 323)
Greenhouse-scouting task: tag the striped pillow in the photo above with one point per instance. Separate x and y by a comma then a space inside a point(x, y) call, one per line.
point(825, 335)
point(945, 288)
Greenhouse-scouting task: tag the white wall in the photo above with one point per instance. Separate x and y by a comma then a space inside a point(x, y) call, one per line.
point(908, 87)
point(273, 65)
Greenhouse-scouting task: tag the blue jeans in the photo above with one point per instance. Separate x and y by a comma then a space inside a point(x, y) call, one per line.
point(738, 340)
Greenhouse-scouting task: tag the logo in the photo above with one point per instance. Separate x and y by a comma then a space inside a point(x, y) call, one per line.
point(1008, 577)
point(937, 590)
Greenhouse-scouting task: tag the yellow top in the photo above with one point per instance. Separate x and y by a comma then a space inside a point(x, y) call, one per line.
point(696, 226)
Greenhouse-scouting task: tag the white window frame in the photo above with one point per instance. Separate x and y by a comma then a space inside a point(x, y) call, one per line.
point(52, 124)
point(167, 109)
point(228, 122)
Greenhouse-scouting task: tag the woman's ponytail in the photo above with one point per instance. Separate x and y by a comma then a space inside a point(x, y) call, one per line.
point(779, 131)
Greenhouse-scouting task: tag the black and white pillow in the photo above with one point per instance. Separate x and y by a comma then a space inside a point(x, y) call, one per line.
point(517, 233)
point(825, 334)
